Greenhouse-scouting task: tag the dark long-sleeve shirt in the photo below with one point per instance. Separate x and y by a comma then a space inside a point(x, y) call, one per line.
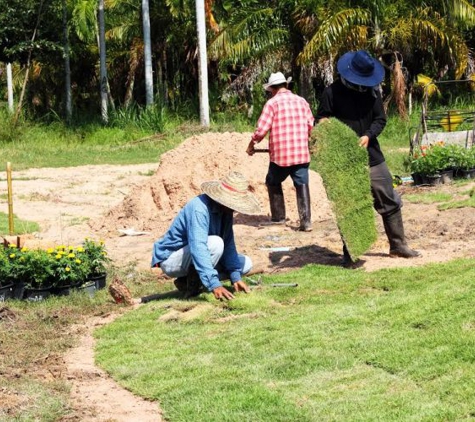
point(361, 111)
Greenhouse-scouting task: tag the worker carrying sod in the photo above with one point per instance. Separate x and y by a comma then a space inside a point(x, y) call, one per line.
point(355, 99)
point(199, 249)
point(289, 121)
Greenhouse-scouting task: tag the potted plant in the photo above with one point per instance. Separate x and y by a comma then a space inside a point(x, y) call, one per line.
point(70, 267)
point(34, 274)
point(427, 165)
point(30, 271)
point(6, 282)
point(466, 163)
point(97, 259)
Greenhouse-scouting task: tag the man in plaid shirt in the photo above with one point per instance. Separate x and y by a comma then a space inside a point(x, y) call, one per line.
point(288, 120)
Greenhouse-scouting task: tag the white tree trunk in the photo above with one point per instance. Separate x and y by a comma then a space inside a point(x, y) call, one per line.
point(67, 67)
point(10, 87)
point(147, 53)
point(202, 63)
point(103, 68)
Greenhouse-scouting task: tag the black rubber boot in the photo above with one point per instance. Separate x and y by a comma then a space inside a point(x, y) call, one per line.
point(277, 204)
point(180, 283)
point(303, 205)
point(193, 283)
point(394, 228)
point(347, 262)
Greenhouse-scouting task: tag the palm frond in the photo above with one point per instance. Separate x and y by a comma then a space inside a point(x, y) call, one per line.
point(449, 48)
point(464, 11)
point(83, 19)
point(338, 30)
point(249, 35)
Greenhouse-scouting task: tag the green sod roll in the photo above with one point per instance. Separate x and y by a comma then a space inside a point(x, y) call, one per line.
point(343, 166)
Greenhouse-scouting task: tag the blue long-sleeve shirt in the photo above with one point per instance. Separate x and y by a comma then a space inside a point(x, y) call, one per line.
point(199, 218)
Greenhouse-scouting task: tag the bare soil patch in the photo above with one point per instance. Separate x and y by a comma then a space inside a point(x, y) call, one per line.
point(98, 201)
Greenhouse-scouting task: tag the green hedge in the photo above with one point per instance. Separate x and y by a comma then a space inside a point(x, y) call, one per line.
point(343, 166)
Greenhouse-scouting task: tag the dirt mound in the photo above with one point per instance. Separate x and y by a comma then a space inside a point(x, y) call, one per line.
point(152, 206)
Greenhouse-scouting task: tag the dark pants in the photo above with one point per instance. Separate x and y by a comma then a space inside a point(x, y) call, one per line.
point(276, 174)
point(386, 200)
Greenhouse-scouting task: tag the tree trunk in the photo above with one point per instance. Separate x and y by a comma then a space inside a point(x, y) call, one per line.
point(134, 61)
point(28, 66)
point(103, 68)
point(147, 53)
point(10, 87)
point(202, 63)
point(67, 67)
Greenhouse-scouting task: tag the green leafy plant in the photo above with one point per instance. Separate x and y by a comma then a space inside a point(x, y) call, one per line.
point(431, 160)
point(465, 159)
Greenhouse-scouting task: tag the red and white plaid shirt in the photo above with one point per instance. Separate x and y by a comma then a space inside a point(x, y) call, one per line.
point(289, 119)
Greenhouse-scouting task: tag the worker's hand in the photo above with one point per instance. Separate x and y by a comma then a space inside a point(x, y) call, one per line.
point(250, 148)
point(364, 141)
point(240, 286)
point(222, 293)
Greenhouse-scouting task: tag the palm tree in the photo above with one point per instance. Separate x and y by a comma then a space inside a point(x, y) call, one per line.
point(416, 31)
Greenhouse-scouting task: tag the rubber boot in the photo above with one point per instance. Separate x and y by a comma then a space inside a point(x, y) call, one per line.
point(347, 262)
point(181, 284)
point(193, 283)
point(277, 204)
point(303, 205)
point(394, 228)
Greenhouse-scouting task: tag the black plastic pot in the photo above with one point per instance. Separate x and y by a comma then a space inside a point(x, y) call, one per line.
point(99, 280)
point(6, 292)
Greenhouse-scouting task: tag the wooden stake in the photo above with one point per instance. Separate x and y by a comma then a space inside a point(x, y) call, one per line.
point(10, 199)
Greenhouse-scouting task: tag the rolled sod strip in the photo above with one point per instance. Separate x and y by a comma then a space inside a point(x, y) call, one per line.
point(343, 166)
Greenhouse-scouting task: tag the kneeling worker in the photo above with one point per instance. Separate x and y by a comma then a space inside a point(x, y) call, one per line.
point(198, 248)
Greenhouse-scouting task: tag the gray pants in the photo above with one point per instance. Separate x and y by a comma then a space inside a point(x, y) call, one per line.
point(386, 200)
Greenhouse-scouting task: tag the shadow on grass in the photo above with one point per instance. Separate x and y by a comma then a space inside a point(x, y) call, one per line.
point(298, 257)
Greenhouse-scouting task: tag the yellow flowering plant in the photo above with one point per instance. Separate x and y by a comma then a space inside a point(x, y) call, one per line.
point(70, 265)
point(60, 266)
point(5, 269)
point(32, 267)
point(96, 256)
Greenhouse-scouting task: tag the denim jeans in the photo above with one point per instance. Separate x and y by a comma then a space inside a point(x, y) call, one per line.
point(179, 262)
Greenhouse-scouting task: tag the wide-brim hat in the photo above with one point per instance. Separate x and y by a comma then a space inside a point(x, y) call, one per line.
point(359, 68)
point(233, 192)
point(276, 79)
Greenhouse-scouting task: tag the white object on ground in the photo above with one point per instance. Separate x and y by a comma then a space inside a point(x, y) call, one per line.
point(131, 232)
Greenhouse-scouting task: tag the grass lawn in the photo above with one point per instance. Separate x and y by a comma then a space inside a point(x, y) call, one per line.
point(19, 226)
point(393, 345)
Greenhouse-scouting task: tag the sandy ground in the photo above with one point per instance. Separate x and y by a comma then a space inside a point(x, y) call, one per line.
point(98, 201)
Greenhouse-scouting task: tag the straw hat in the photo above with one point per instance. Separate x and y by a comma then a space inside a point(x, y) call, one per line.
point(276, 79)
point(232, 192)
